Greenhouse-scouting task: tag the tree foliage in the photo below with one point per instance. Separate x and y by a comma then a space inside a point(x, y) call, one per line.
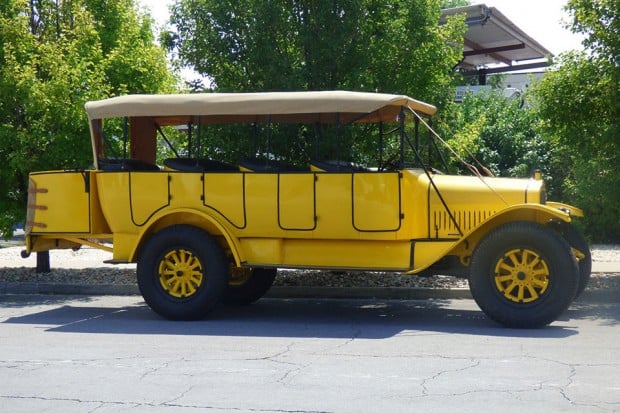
point(579, 103)
point(503, 135)
point(392, 47)
point(448, 4)
point(54, 56)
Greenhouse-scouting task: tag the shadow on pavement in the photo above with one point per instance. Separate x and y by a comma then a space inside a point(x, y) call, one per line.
point(29, 300)
point(606, 313)
point(305, 318)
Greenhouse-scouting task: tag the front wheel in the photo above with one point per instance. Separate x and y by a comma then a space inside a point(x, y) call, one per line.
point(523, 275)
point(182, 272)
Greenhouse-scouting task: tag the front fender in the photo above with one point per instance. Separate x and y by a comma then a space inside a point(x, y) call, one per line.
point(542, 214)
point(573, 211)
point(531, 212)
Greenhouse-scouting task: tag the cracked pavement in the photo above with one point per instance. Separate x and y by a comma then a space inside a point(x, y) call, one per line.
point(112, 354)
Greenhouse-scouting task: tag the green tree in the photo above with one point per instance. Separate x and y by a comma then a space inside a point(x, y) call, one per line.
point(369, 45)
point(500, 133)
point(447, 4)
point(55, 56)
point(579, 103)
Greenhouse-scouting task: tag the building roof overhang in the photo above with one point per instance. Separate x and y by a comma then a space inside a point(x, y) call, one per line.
point(494, 44)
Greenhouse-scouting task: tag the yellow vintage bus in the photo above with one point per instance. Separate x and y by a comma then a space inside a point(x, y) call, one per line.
point(203, 231)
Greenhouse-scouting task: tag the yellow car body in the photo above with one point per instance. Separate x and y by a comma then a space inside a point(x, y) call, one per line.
point(402, 220)
point(333, 220)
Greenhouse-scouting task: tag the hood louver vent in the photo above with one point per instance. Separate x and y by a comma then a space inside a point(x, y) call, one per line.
point(443, 226)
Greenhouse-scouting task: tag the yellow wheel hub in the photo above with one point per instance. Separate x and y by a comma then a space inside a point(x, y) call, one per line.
point(522, 276)
point(180, 273)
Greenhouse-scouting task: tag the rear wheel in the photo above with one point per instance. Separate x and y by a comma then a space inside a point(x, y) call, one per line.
point(523, 275)
point(182, 273)
point(247, 285)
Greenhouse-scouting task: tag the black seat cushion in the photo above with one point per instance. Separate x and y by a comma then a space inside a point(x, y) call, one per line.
point(120, 164)
point(198, 165)
point(269, 165)
point(338, 166)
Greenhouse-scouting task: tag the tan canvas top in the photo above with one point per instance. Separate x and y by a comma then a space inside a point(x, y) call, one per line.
point(327, 106)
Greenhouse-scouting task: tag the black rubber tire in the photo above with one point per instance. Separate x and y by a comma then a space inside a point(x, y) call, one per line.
point(577, 241)
point(204, 251)
point(256, 286)
point(562, 274)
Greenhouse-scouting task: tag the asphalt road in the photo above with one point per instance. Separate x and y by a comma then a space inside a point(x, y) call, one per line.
point(112, 354)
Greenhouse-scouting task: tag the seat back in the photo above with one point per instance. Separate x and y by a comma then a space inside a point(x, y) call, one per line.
point(197, 165)
point(267, 165)
point(336, 166)
point(120, 164)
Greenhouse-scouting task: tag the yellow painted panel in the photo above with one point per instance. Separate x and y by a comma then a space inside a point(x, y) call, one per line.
point(149, 194)
point(266, 251)
point(98, 223)
point(414, 190)
point(186, 189)
point(224, 192)
point(467, 212)
point(426, 253)
point(61, 202)
point(296, 201)
point(368, 255)
point(376, 201)
point(129, 199)
point(124, 245)
point(261, 205)
point(333, 206)
point(113, 188)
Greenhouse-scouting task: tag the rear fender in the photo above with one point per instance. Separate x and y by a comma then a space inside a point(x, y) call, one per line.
point(208, 223)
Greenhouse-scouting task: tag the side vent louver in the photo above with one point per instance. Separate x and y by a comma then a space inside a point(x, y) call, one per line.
point(443, 225)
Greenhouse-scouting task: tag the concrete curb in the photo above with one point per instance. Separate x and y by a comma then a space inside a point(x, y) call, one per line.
point(605, 267)
point(67, 289)
point(286, 292)
point(275, 292)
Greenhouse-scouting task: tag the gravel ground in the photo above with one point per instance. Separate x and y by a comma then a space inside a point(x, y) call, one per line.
point(86, 266)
